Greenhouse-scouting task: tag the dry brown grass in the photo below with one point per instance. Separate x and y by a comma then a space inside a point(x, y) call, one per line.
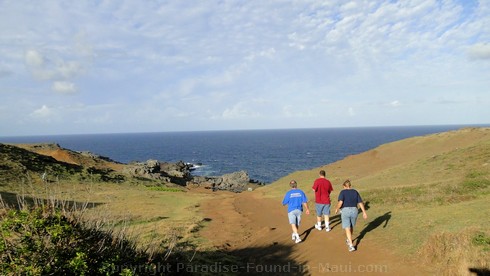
point(457, 253)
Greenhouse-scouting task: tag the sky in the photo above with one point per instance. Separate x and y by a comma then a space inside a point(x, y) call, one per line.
point(77, 67)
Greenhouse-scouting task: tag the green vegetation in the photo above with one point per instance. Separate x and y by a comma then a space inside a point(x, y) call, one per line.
point(164, 189)
point(20, 165)
point(475, 184)
point(46, 240)
point(482, 240)
point(41, 241)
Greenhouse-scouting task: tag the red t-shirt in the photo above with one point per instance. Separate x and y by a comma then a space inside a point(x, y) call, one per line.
point(323, 188)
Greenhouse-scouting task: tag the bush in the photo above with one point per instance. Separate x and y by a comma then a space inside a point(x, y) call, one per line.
point(44, 241)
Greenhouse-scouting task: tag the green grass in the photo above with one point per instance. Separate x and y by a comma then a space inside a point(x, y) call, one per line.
point(165, 189)
point(482, 239)
point(475, 184)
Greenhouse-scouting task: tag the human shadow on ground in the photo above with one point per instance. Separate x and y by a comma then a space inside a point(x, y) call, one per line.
point(479, 271)
point(334, 221)
point(272, 259)
point(306, 233)
point(373, 225)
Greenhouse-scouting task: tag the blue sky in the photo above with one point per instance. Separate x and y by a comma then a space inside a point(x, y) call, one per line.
point(72, 67)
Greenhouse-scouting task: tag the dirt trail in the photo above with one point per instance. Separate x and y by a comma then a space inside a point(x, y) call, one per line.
point(257, 230)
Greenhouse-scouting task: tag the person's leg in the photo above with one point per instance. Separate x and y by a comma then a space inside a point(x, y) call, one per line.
point(326, 214)
point(348, 221)
point(348, 233)
point(297, 214)
point(293, 221)
point(346, 224)
point(353, 220)
point(294, 228)
point(318, 208)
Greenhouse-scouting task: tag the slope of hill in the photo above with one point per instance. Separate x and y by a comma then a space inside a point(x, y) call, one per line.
point(85, 159)
point(427, 201)
point(427, 198)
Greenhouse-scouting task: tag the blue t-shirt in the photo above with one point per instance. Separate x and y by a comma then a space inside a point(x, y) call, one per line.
point(294, 198)
point(350, 198)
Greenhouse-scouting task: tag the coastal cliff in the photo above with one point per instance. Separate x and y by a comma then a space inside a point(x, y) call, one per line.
point(48, 162)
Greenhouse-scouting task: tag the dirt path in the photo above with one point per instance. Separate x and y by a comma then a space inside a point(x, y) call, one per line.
point(257, 230)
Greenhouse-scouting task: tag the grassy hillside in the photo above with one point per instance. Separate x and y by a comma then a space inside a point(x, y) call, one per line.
point(428, 196)
point(83, 214)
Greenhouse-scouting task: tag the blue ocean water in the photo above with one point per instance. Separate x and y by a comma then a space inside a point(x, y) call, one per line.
point(266, 155)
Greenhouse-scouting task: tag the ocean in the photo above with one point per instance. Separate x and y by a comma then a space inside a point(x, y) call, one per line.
point(266, 155)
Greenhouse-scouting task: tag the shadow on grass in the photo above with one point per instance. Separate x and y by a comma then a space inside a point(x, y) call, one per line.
point(373, 225)
point(13, 200)
point(479, 271)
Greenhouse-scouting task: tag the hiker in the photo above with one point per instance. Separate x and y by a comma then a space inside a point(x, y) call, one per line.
point(322, 187)
point(349, 199)
point(296, 200)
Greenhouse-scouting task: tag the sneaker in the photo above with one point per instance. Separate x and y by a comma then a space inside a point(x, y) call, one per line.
point(318, 227)
point(328, 229)
point(298, 239)
point(351, 248)
point(293, 236)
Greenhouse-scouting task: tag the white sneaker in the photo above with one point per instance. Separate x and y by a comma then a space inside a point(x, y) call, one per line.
point(351, 248)
point(318, 227)
point(293, 236)
point(298, 239)
point(328, 229)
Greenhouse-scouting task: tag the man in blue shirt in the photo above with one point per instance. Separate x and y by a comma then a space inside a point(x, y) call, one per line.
point(296, 200)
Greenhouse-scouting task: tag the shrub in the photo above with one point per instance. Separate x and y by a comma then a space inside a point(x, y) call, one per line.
point(43, 240)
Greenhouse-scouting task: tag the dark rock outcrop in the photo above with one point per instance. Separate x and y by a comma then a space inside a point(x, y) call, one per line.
point(236, 182)
point(178, 173)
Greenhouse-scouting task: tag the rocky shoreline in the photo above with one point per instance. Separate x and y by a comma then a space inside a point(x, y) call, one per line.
point(162, 172)
point(181, 173)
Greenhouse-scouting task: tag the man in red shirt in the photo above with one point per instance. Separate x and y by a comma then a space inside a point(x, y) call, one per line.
point(322, 187)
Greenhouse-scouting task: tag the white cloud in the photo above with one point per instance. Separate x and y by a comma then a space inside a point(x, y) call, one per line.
point(240, 110)
point(34, 59)
point(290, 111)
point(176, 59)
point(351, 111)
point(395, 103)
point(43, 112)
point(479, 51)
point(64, 87)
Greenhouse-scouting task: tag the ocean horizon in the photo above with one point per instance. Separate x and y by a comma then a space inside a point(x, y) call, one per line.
point(266, 155)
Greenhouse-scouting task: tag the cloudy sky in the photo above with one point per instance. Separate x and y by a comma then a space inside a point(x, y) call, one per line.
point(70, 67)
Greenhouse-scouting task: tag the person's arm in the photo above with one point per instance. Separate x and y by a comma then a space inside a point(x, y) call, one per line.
point(305, 205)
point(364, 214)
point(361, 205)
point(285, 200)
point(339, 205)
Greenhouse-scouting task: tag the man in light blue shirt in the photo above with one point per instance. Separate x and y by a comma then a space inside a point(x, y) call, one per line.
point(296, 200)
